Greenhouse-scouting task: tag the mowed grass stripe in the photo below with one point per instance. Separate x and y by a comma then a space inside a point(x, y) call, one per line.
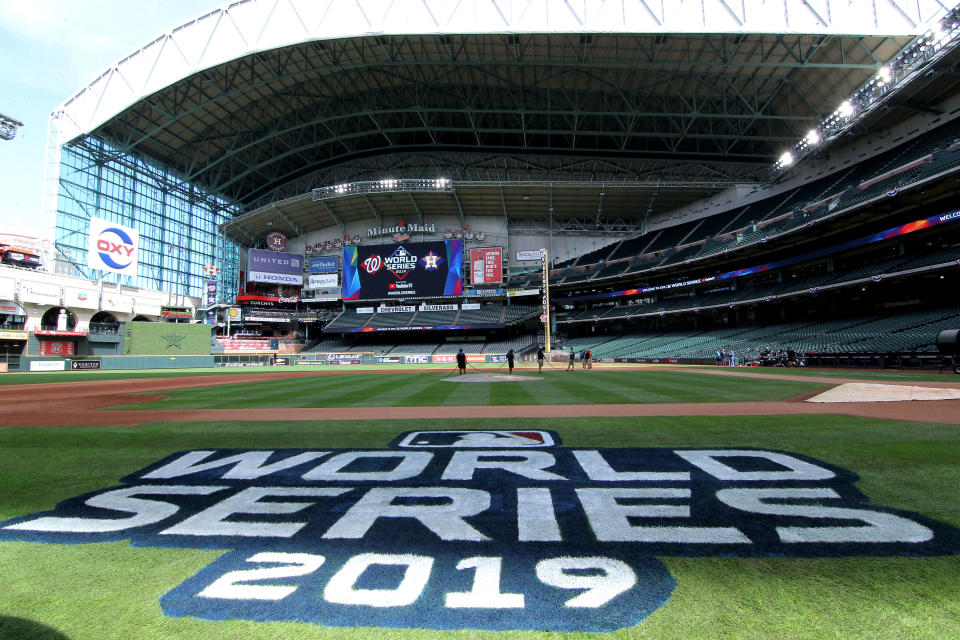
point(431, 389)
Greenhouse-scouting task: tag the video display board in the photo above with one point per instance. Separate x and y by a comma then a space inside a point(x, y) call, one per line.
point(486, 265)
point(410, 269)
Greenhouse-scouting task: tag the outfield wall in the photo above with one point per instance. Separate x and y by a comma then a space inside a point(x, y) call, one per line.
point(166, 338)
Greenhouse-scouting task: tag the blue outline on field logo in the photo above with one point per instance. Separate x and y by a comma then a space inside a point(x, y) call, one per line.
point(474, 529)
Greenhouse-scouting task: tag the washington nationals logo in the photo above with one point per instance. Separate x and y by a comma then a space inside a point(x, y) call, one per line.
point(373, 264)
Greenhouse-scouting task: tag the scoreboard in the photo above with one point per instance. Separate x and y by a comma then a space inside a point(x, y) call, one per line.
point(409, 269)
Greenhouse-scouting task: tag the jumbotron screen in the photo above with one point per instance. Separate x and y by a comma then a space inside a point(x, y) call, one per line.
point(408, 269)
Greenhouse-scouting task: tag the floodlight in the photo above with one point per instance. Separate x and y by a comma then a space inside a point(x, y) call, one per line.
point(846, 109)
point(813, 137)
point(786, 159)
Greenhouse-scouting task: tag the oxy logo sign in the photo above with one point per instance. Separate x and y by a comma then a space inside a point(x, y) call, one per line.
point(436, 533)
point(113, 247)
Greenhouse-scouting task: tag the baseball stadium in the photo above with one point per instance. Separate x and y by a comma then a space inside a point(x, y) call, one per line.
point(317, 281)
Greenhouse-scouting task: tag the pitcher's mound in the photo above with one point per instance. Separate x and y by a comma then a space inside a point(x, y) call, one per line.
point(492, 377)
point(864, 392)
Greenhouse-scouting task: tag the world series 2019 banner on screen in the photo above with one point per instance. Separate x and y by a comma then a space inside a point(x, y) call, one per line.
point(410, 269)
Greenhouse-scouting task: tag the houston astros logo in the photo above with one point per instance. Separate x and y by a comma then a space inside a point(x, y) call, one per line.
point(431, 261)
point(495, 530)
point(116, 248)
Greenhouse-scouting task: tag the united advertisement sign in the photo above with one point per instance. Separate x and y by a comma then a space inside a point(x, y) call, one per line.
point(491, 530)
point(409, 269)
point(274, 266)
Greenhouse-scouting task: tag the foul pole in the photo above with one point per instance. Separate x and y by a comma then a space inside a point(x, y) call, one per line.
point(545, 300)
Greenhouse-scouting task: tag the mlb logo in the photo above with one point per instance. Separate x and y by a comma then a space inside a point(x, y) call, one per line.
point(477, 439)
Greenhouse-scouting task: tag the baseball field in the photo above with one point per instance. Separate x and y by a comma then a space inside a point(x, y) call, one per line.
point(635, 502)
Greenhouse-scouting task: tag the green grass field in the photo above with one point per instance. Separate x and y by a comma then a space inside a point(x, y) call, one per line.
point(434, 388)
point(111, 591)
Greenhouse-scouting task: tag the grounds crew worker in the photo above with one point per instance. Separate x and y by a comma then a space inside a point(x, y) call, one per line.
point(540, 358)
point(510, 358)
point(461, 362)
point(573, 356)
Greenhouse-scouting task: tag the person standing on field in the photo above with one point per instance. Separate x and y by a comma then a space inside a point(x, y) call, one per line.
point(461, 362)
point(573, 357)
point(510, 358)
point(540, 358)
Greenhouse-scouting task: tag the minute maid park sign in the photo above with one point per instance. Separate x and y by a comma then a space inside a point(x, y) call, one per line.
point(474, 529)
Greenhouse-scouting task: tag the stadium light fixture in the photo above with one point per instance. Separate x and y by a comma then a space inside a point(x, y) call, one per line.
point(8, 127)
point(392, 185)
point(813, 137)
point(910, 63)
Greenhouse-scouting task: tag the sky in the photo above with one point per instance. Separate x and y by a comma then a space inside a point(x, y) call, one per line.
point(49, 50)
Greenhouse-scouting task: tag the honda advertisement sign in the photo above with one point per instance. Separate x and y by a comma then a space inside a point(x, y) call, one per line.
point(274, 267)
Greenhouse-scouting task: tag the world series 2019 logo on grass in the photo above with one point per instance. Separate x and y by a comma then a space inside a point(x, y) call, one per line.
point(474, 529)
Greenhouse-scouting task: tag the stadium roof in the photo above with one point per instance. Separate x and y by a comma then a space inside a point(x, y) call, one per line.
point(261, 101)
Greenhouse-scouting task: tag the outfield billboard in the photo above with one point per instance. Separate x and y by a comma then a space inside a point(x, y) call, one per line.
point(486, 265)
point(410, 269)
point(274, 267)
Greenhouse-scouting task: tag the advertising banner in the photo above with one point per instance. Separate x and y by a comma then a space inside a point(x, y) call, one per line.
point(39, 293)
point(80, 365)
point(439, 307)
point(388, 360)
point(444, 359)
point(8, 288)
point(256, 315)
point(13, 335)
point(211, 292)
point(147, 307)
point(123, 304)
point(48, 365)
point(414, 269)
point(56, 348)
point(485, 292)
point(416, 359)
point(528, 255)
point(324, 264)
point(274, 267)
point(324, 281)
point(81, 298)
point(486, 265)
point(113, 247)
point(8, 307)
point(403, 309)
point(176, 312)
